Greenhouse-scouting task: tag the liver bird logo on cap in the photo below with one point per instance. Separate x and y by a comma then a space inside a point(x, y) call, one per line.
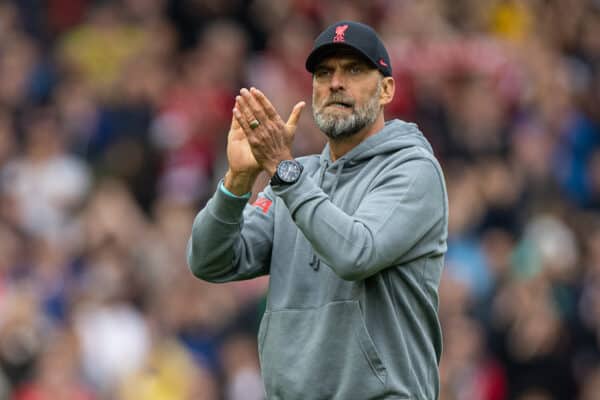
point(340, 31)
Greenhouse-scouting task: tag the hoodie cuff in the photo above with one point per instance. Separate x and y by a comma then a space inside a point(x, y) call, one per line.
point(235, 196)
point(303, 190)
point(226, 208)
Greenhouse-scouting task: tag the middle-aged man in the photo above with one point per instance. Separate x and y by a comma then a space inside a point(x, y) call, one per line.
point(353, 239)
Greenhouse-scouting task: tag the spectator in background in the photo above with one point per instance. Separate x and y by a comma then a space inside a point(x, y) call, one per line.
point(99, 48)
point(57, 373)
point(47, 183)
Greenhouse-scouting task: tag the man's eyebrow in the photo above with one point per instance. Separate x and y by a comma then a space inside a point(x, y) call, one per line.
point(323, 66)
point(354, 63)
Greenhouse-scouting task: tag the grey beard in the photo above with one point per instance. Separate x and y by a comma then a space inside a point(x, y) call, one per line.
point(339, 127)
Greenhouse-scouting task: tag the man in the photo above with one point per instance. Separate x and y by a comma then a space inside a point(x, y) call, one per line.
point(353, 239)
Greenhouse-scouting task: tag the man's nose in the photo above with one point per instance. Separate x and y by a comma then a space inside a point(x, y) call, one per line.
point(337, 81)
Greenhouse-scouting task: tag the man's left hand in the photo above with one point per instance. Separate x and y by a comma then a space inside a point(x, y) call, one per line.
point(270, 141)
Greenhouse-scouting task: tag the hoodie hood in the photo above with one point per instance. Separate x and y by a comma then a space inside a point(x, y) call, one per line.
point(395, 135)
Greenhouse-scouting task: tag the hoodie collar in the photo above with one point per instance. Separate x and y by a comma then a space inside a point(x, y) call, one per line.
point(395, 135)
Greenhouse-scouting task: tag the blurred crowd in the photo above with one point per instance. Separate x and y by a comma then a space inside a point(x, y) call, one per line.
point(113, 123)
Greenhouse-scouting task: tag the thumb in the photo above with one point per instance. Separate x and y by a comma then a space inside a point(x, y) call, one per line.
point(295, 115)
point(234, 123)
point(234, 129)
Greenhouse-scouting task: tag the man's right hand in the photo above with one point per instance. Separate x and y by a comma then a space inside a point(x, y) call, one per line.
point(243, 167)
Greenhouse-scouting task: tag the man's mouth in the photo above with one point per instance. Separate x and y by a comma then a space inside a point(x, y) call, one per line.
point(340, 104)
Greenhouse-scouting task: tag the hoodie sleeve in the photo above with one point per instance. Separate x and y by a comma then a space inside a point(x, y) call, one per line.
point(401, 218)
point(231, 239)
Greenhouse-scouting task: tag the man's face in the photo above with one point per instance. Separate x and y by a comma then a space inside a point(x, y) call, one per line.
point(346, 95)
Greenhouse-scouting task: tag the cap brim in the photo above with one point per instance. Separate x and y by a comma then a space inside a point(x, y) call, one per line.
point(328, 49)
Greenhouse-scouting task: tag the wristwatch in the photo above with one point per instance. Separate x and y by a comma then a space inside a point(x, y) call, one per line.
point(287, 173)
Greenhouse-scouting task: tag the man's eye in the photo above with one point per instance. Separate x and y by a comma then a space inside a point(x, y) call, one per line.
point(322, 73)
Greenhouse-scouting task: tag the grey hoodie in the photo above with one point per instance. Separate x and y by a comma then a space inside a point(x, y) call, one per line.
point(354, 251)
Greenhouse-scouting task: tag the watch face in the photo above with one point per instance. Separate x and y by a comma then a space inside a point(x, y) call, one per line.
point(289, 171)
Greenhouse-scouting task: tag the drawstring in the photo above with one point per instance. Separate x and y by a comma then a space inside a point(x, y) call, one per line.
point(338, 172)
point(315, 262)
point(322, 176)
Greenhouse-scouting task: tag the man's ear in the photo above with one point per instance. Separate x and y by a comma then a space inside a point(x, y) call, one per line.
point(388, 88)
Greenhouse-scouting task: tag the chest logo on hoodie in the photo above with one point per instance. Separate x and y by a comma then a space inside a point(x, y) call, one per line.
point(263, 203)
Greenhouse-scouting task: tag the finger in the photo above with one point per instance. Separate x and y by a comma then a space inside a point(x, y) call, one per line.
point(241, 120)
point(267, 106)
point(244, 109)
point(295, 114)
point(255, 106)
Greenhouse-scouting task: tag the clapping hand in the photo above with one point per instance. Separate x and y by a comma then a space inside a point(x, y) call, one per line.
point(269, 137)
